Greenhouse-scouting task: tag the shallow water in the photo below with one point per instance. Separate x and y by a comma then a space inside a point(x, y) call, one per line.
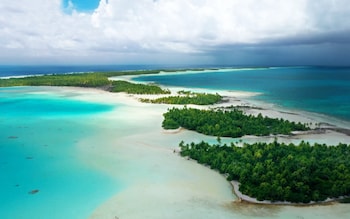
point(38, 138)
point(112, 160)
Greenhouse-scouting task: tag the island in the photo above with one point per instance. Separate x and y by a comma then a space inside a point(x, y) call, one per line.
point(187, 97)
point(228, 123)
point(276, 171)
point(92, 80)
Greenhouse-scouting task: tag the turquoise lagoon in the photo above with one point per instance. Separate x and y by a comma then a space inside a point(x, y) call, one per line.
point(93, 160)
point(38, 138)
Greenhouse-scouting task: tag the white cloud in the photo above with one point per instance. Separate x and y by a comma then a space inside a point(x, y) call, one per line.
point(41, 28)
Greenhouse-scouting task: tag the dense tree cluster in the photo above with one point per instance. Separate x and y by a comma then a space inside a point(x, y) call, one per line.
point(131, 88)
point(227, 123)
point(76, 80)
point(98, 80)
point(280, 172)
point(95, 79)
point(188, 98)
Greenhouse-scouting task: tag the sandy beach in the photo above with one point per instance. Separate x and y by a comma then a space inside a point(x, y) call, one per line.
point(180, 185)
point(133, 148)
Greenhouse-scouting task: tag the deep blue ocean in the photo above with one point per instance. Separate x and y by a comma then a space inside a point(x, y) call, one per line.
point(324, 90)
point(14, 70)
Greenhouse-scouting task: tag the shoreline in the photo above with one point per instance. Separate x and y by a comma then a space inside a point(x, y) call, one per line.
point(251, 200)
point(251, 108)
point(143, 140)
point(244, 98)
point(323, 128)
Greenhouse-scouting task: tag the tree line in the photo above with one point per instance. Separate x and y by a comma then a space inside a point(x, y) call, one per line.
point(91, 79)
point(132, 88)
point(187, 98)
point(76, 80)
point(280, 172)
point(100, 80)
point(227, 123)
point(94, 80)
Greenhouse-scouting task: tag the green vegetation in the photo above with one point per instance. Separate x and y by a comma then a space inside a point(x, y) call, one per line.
point(279, 172)
point(274, 171)
point(96, 80)
point(188, 98)
point(227, 123)
point(131, 88)
point(77, 80)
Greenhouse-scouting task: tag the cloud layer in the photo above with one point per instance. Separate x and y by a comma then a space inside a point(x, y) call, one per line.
point(168, 31)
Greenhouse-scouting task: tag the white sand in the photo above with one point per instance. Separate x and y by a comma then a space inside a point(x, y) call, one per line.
point(132, 147)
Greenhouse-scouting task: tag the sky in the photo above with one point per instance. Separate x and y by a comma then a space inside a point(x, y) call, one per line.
point(207, 32)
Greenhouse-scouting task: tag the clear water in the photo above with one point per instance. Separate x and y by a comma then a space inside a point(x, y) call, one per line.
point(324, 90)
point(38, 138)
point(41, 140)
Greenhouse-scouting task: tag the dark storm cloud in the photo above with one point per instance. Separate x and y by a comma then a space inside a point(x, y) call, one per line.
point(223, 31)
